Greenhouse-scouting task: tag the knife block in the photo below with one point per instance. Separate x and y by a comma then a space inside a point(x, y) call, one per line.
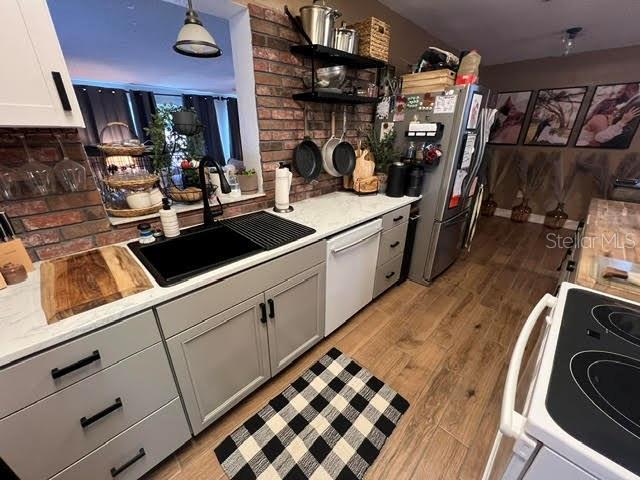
point(14, 252)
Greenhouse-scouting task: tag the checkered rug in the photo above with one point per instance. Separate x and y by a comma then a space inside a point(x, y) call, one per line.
point(331, 423)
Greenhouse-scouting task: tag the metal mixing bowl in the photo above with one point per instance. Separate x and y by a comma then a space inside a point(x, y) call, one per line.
point(328, 77)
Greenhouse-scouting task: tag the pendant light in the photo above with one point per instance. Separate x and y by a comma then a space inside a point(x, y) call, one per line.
point(194, 40)
point(569, 39)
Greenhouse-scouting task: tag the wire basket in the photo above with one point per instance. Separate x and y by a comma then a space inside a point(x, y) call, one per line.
point(132, 182)
point(128, 147)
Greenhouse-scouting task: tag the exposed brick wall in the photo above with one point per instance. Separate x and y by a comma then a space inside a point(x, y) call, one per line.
point(65, 223)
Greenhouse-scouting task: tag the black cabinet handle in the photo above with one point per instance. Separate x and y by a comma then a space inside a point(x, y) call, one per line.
point(571, 266)
point(272, 309)
point(117, 471)
point(59, 372)
point(62, 92)
point(85, 422)
point(389, 275)
point(397, 219)
point(394, 245)
point(263, 313)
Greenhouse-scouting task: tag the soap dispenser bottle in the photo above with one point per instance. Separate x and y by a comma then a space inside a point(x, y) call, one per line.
point(169, 220)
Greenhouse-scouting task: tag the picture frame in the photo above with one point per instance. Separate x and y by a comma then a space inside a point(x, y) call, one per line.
point(554, 116)
point(512, 109)
point(612, 117)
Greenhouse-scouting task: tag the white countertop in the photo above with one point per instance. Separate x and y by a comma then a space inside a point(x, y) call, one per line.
point(23, 327)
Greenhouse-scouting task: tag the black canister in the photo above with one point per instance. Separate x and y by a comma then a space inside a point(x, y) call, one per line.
point(415, 178)
point(396, 180)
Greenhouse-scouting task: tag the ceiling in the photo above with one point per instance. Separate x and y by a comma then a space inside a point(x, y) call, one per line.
point(510, 30)
point(130, 42)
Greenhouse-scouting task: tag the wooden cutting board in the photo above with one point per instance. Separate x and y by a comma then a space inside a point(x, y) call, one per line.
point(75, 284)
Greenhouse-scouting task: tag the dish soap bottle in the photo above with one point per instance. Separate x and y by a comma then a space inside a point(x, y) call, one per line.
point(169, 220)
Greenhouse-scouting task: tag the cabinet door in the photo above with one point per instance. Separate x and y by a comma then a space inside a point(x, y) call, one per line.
point(296, 316)
point(35, 88)
point(220, 361)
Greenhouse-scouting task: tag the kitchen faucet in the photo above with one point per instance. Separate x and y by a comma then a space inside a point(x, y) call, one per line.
point(224, 186)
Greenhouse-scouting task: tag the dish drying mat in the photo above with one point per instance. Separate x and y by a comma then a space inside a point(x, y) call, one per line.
point(267, 230)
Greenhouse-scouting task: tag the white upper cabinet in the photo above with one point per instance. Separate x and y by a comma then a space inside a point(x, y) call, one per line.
point(35, 88)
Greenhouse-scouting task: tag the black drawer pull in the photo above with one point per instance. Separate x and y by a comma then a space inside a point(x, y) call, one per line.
point(394, 245)
point(62, 92)
point(263, 313)
point(397, 219)
point(85, 422)
point(389, 275)
point(117, 471)
point(272, 309)
point(571, 266)
point(60, 372)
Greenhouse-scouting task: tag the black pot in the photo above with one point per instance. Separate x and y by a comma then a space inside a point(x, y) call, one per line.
point(186, 122)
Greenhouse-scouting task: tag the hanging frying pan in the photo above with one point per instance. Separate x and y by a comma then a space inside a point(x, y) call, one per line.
point(307, 158)
point(329, 147)
point(344, 156)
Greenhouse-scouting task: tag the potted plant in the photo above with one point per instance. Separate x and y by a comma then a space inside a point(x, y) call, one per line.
point(531, 177)
point(496, 173)
point(384, 154)
point(561, 182)
point(248, 181)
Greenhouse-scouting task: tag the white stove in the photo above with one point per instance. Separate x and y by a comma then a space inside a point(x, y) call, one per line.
point(573, 412)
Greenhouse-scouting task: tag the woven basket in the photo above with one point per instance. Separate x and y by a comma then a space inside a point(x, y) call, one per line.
point(132, 182)
point(190, 194)
point(374, 38)
point(134, 212)
point(114, 149)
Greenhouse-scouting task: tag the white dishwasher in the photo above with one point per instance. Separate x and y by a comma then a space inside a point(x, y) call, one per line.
point(351, 271)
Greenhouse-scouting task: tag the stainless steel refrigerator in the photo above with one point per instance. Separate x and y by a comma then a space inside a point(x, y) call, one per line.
point(456, 121)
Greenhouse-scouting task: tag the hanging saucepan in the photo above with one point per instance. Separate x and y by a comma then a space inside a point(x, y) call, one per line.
point(329, 147)
point(344, 156)
point(307, 158)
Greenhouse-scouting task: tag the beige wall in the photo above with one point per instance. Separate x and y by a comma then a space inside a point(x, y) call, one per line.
point(586, 69)
point(408, 40)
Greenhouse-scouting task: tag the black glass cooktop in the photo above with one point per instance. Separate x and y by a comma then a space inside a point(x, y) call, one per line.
point(594, 392)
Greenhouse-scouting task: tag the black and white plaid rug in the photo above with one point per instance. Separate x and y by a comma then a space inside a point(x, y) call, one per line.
point(331, 423)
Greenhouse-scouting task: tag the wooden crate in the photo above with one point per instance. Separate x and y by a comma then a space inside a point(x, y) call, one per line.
point(427, 82)
point(374, 38)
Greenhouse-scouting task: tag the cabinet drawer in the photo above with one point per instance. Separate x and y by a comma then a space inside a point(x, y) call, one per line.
point(395, 218)
point(51, 431)
point(392, 243)
point(141, 447)
point(185, 312)
point(387, 275)
point(30, 380)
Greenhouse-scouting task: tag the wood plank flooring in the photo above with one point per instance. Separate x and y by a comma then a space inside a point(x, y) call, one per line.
point(444, 347)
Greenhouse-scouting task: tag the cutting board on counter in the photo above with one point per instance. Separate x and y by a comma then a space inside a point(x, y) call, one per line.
point(77, 283)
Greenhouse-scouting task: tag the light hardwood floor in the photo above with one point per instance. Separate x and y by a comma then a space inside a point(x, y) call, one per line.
point(444, 347)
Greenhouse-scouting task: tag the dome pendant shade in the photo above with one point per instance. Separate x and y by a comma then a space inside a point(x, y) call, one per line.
point(194, 40)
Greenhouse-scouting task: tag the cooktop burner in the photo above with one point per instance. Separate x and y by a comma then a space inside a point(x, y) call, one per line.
point(595, 382)
point(622, 321)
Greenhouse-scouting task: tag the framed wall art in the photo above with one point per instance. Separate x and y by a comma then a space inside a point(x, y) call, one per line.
point(554, 116)
point(512, 109)
point(612, 118)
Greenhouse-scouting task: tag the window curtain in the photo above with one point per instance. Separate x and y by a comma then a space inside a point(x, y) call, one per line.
point(144, 106)
point(206, 111)
point(234, 128)
point(223, 126)
point(100, 106)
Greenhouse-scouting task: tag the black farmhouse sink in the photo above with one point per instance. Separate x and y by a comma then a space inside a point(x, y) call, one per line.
point(201, 249)
point(177, 259)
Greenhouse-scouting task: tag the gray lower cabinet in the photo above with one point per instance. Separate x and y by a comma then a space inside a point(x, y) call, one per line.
point(296, 316)
point(223, 359)
point(220, 361)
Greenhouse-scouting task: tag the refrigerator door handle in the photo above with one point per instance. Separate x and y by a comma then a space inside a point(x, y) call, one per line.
point(511, 422)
